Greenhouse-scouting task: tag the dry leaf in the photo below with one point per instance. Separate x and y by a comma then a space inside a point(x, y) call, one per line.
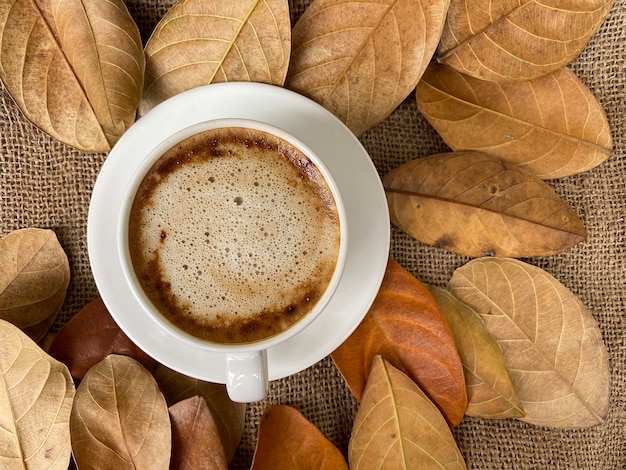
point(229, 416)
point(522, 40)
point(34, 275)
point(46, 342)
point(360, 59)
point(398, 427)
point(89, 337)
point(102, 44)
point(196, 443)
point(287, 440)
point(551, 343)
point(553, 126)
point(406, 327)
point(473, 204)
point(36, 393)
point(32, 60)
point(490, 392)
point(120, 419)
point(199, 42)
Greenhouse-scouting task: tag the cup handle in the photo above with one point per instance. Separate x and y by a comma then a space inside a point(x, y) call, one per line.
point(246, 376)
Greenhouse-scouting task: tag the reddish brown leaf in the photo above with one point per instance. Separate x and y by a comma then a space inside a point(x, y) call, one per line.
point(195, 440)
point(91, 336)
point(229, 416)
point(287, 440)
point(406, 327)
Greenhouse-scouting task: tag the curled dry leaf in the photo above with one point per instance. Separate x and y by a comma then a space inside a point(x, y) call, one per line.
point(36, 393)
point(502, 40)
point(34, 276)
point(89, 337)
point(287, 440)
point(551, 343)
point(398, 427)
point(406, 327)
point(473, 204)
point(196, 443)
point(361, 59)
point(553, 126)
point(490, 392)
point(33, 59)
point(102, 44)
point(119, 418)
point(229, 416)
point(198, 42)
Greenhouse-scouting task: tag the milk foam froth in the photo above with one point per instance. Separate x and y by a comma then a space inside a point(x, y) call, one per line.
point(234, 235)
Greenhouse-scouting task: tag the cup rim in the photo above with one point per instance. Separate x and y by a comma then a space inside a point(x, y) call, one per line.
point(122, 233)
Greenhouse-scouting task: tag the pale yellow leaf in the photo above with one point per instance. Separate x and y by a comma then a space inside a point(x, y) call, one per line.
point(398, 427)
point(36, 393)
point(34, 277)
point(553, 126)
point(552, 345)
point(36, 73)
point(490, 392)
point(199, 42)
point(361, 59)
point(520, 40)
point(101, 41)
point(120, 419)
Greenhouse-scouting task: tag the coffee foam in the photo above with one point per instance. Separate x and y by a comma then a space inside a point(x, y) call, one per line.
point(235, 247)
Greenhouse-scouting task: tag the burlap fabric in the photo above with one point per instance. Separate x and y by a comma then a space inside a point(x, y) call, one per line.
point(47, 184)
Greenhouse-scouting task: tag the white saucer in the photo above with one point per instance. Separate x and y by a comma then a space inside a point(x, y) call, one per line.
point(343, 154)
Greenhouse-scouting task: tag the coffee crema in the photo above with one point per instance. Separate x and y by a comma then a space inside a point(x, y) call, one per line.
point(234, 235)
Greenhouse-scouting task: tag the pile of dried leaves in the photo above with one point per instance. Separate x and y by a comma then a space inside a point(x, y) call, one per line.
point(504, 339)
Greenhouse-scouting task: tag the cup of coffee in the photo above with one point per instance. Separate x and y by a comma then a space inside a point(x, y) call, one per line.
point(234, 238)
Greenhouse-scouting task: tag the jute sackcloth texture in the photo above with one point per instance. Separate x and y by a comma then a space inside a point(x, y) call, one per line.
point(48, 185)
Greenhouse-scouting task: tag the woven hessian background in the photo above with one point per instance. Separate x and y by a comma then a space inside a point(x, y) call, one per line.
point(48, 185)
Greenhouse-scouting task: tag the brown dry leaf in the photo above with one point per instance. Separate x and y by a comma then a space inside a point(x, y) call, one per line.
point(36, 394)
point(473, 204)
point(553, 126)
point(50, 93)
point(398, 427)
point(34, 276)
point(102, 43)
point(287, 440)
point(89, 337)
point(120, 419)
point(198, 42)
point(361, 59)
point(229, 416)
point(522, 40)
point(196, 443)
point(406, 327)
point(551, 343)
point(490, 392)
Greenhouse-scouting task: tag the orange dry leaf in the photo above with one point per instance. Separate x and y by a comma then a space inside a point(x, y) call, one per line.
point(406, 327)
point(287, 440)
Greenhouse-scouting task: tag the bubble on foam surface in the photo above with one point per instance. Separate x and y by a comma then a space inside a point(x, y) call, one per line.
point(241, 238)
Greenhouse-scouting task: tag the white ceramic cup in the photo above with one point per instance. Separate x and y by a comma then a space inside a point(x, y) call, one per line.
point(246, 364)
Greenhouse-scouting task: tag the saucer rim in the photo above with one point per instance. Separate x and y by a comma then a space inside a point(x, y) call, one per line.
point(368, 241)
